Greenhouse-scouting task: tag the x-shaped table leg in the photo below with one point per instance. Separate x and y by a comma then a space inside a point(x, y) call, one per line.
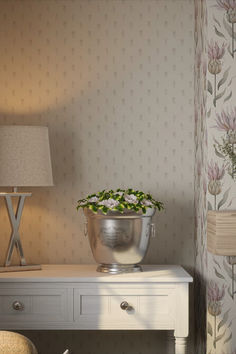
point(15, 223)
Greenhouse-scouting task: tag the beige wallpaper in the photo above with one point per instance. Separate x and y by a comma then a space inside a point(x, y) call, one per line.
point(113, 81)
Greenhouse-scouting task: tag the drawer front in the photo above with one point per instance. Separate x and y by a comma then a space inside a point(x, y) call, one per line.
point(100, 308)
point(35, 305)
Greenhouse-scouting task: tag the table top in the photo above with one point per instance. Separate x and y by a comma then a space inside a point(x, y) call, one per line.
point(85, 273)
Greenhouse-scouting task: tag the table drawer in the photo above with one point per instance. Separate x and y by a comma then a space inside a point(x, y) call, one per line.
point(35, 305)
point(100, 308)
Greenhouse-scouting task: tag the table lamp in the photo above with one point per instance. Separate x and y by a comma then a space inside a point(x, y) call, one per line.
point(24, 162)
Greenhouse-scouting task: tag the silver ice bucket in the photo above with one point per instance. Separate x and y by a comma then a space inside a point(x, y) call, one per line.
point(119, 241)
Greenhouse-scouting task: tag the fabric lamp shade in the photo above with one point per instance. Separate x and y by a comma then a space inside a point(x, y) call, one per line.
point(221, 232)
point(25, 159)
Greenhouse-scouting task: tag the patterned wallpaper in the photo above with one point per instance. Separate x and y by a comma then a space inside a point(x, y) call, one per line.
point(221, 115)
point(113, 81)
point(218, 117)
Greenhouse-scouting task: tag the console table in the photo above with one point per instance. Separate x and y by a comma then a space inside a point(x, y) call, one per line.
point(78, 297)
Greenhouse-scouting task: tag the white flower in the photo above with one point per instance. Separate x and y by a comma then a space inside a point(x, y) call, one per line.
point(131, 198)
point(109, 203)
point(120, 193)
point(147, 202)
point(93, 200)
point(83, 202)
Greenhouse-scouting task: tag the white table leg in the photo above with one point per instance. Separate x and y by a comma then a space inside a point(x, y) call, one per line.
point(180, 345)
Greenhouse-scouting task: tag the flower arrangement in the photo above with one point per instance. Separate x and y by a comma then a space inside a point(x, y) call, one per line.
point(119, 200)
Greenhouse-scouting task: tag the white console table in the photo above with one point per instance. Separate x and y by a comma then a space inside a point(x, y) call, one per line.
point(78, 297)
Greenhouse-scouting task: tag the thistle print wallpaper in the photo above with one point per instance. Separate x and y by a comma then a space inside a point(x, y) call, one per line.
point(221, 168)
point(113, 80)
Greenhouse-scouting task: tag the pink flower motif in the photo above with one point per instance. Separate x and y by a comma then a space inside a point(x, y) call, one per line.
point(226, 4)
point(215, 172)
point(226, 121)
point(214, 293)
point(214, 51)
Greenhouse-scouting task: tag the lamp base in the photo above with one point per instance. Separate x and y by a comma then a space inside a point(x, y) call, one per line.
point(20, 268)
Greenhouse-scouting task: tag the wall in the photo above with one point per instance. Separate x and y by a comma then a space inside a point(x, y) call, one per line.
point(218, 118)
point(113, 81)
point(221, 170)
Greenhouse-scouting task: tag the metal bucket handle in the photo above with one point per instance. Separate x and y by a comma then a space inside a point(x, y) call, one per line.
point(152, 230)
point(86, 228)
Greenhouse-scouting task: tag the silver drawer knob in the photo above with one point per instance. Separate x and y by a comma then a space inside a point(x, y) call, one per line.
point(124, 305)
point(18, 306)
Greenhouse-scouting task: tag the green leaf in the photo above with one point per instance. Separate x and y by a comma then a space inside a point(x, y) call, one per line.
point(209, 206)
point(224, 199)
point(228, 97)
point(228, 339)
point(94, 209)
point(218, 274)
point(219, 154)
point(229, 291)
point(224, 320)
point(104, 209)
point(229, 51)
point(215, 261)
point(209, 329)
point(209, 87)
point(120, 208)
point(218, 97)
point(219, 338)
point(218, 23)
point(229, 29)
point(218, 33)
point(224, 78)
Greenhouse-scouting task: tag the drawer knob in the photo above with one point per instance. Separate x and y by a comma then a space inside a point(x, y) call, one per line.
point(18, 306)
point(124, 305)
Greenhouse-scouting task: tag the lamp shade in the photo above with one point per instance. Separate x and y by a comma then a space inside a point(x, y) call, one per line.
point(221, 232)
point(25, 156)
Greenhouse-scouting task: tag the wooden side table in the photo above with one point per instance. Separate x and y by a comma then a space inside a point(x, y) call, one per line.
point(78, 297)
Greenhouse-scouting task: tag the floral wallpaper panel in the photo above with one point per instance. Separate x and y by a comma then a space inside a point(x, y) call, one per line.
point(221, 193)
